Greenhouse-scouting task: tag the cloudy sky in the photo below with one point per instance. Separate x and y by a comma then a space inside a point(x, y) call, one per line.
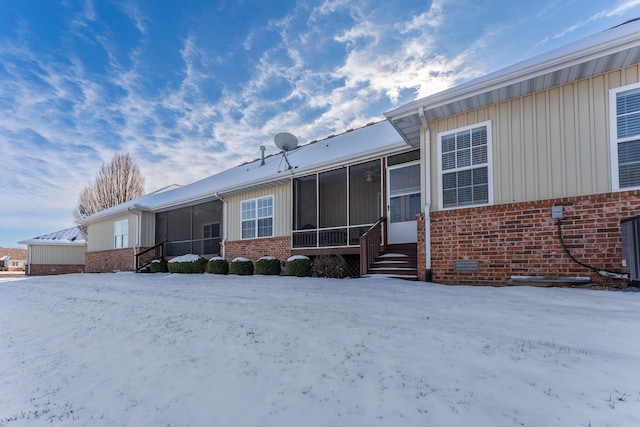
point(192, 87)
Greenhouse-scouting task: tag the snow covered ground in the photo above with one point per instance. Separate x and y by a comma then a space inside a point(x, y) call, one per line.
point(204, 350)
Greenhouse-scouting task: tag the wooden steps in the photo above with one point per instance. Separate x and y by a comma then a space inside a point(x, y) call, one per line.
point(398, 261)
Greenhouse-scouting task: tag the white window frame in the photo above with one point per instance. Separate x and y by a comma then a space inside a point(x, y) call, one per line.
point(613, 136)
point(488, 165)
point(121, 234)
point(257, 217)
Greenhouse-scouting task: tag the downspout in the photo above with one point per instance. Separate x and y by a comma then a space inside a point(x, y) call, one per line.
point(223, 231)
point(138, 212)
point(427, 203)
point(28, 260)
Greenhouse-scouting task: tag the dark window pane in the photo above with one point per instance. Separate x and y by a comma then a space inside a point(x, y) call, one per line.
point(332, 189)
point(364, 193)
point(305, 206)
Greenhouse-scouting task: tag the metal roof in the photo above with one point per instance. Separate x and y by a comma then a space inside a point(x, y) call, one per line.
point(606, 51)
point(71, 236)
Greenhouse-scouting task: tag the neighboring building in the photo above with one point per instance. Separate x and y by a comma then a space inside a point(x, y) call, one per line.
point(560, 130)
point(12, 259)
point(61, 252)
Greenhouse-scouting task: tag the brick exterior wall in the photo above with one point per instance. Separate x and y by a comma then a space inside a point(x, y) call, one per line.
point(279, 247)
point(109, 261)
point(52, 269)
point(521, 239)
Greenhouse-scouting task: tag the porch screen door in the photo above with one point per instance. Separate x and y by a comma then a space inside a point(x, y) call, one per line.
point(403, 202)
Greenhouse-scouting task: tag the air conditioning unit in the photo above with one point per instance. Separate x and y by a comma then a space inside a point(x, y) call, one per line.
point(630, 229)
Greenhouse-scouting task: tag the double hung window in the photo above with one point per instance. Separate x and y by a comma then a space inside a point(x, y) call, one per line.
point(464, 166)
point(625, 137)
point(257, 218)
point(121, 234)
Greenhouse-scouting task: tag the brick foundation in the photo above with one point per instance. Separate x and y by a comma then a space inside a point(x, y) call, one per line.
point(109, 261)
point(279, 247)
point(521, 239)
point(52, 269)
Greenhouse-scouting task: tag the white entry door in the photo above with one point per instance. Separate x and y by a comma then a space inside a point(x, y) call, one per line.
point(403, 202)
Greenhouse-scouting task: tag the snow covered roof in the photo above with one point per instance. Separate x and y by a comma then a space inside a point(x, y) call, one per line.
point(608, 50)
point(359, 144)
point(71, 236)
point(5, 258)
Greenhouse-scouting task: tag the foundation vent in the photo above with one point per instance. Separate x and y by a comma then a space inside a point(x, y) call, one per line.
point(465, 265)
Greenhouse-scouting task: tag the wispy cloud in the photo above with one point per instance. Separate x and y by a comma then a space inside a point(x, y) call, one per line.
point(326, 67)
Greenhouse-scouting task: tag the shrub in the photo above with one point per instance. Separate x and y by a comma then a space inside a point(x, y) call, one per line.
point(158, 266)
point(218, 265)
point(190, 264)
point(241, 266)
point(329, 266)
point(298, 265)
point(268, 265)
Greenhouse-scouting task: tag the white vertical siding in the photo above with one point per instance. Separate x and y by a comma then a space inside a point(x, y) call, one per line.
point(549, 144)
point(282, 210)
point(100, 234)
point(57, 254)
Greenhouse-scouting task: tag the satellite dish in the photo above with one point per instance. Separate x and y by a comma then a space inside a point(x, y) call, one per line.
point(286, 141)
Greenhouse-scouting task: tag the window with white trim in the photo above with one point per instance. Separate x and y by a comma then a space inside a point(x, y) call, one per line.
point(257, 218)
point(121, 234)
point(464, 166)
point(625, 137)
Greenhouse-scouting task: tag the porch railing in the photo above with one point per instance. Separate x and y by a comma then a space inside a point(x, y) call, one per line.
point(144, 258)
point(370, 243)
point(329, 237)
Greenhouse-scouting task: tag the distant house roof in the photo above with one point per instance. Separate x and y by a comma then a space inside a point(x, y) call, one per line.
point(71, 236)
point(359, 144)
point(608, 50)
point(5, 258)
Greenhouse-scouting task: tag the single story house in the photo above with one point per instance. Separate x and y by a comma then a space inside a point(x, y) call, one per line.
point(531, 168)
point(314, 199)
point(61, 252)
point(524, 172)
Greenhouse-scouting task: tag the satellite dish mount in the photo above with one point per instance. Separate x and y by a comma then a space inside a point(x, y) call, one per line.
point(286, 142)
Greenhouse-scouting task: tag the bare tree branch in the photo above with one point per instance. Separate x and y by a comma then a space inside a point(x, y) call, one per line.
point(116, 182)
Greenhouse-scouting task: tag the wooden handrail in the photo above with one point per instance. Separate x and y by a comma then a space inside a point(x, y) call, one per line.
point(370, 243)
point(148, 259)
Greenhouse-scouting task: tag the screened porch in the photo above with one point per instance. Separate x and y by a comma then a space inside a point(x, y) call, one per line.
point(336, 207)
point(191, 230)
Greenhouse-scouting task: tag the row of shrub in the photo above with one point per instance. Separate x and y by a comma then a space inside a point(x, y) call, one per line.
point(330, 266)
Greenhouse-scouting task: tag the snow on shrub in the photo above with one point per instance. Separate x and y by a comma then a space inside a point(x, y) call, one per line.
point(241, 266)
point(217, 265)
point(268, 265)
point(189, 263)
point(158, 266)
point(298, 265)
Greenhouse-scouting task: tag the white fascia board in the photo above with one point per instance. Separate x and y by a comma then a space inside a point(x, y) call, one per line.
point(37, 242)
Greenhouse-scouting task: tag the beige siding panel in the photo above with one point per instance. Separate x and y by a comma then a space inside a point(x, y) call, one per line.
point(57, 254)
point(527, 132)
point(282, 210)
point(549, 144)
point(601, 166)
point(148, 227)
point(541, 144)
point(100, 234)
